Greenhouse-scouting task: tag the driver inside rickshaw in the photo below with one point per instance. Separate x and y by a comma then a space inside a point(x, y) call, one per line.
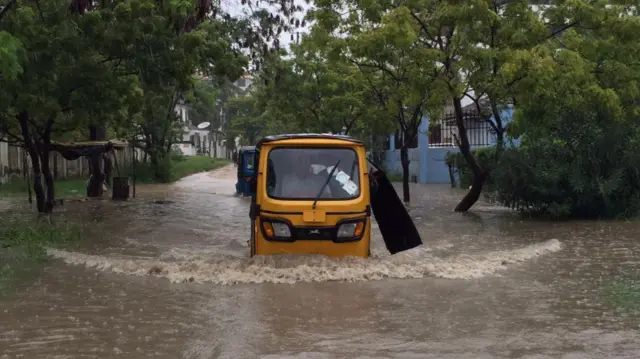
point(301, 181)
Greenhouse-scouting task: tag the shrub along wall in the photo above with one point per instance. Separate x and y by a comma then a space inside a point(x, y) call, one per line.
point(484, 156)
point(554, 179)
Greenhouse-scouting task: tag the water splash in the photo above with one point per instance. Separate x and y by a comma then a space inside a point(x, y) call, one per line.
point(226, 270)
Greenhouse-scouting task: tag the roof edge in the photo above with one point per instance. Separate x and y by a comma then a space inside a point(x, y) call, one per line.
point(311, 136)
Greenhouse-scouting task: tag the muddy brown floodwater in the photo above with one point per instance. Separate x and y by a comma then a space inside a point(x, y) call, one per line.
point(173, 280)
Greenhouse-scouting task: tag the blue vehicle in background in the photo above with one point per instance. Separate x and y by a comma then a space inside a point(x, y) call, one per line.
point(246, 170)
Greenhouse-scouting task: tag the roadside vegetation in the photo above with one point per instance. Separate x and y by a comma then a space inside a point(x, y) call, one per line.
point(176, 168)
point(24, 242)
point(624, 294)
point(64, 188)
point(179, 167)
point(73, 71)
point(560, 79)
point(569, 72)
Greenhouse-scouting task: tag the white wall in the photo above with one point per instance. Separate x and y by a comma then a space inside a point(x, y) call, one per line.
point(187, 149)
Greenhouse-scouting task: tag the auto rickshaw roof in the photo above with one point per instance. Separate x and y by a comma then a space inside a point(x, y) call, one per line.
point(247, 149)
point(298, 136)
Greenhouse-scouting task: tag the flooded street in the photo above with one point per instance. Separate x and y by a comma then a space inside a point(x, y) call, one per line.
point(168, 276)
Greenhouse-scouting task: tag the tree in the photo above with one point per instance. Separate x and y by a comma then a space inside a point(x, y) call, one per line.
point(11, 56)
point(319, 93)
point(246, 119)
point(393, 68)
point(63, 70)
point(115, 64)
point(223, 116)
point(202, 99)
point(469, 49)
point(577, 116)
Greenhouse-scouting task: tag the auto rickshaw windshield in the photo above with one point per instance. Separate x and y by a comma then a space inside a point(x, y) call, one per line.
point(300, 173)
point(249, 160)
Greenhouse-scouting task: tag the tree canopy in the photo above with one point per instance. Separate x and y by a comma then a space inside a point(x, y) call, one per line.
point(68, 71)
point(368, 69)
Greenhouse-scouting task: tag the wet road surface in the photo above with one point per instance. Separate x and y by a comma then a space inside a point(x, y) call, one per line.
point(173, 280)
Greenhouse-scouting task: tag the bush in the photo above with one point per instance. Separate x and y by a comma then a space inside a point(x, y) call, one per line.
point(177, 155)
point(550, 177)
point(486, 158)
point(557, 179)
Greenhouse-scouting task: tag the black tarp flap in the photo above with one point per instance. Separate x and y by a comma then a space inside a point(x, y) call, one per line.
point(73, 152)
point(396, 226)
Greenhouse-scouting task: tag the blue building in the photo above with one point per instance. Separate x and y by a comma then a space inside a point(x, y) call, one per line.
point(427, 154)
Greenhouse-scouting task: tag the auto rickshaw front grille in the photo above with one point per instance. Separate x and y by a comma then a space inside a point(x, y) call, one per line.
point(315, 233)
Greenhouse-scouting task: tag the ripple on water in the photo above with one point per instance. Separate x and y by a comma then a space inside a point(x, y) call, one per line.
point(416, 263)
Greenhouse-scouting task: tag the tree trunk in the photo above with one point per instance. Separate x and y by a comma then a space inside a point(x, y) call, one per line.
point(404, 160)
point(45, 151)
point(155, 163)
point(48, 179)
point(30, 146)
point(479, 174)
point(94, 189)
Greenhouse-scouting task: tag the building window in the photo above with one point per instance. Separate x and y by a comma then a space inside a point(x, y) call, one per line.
point(399, 141)
point(435, 133)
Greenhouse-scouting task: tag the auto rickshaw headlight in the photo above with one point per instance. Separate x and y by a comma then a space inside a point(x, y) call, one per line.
point(281, 229)
point(276, 229)
point(351, 230)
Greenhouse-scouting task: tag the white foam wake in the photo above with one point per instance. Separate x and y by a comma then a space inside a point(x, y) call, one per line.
point(416, 263)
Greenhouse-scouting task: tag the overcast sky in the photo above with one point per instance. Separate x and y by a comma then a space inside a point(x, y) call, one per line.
point(236, 9)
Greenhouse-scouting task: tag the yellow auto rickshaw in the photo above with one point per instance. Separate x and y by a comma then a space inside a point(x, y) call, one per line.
point(311, 195)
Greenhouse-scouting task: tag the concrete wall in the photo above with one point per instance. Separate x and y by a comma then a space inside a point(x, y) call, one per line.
point(428, 162)
point(393, 164)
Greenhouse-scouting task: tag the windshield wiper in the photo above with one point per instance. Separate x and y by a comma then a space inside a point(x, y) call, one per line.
point(325, 184)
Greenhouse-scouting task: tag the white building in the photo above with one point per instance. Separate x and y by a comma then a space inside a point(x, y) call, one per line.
point(194, 140)
point(209, 141)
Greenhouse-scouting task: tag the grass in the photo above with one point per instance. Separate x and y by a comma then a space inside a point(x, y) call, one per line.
point(24, 242)
point(394, 177)
point(66, 187)
point(624, 293)
point(178, 168)
point(31, 237)
point(195, 164)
